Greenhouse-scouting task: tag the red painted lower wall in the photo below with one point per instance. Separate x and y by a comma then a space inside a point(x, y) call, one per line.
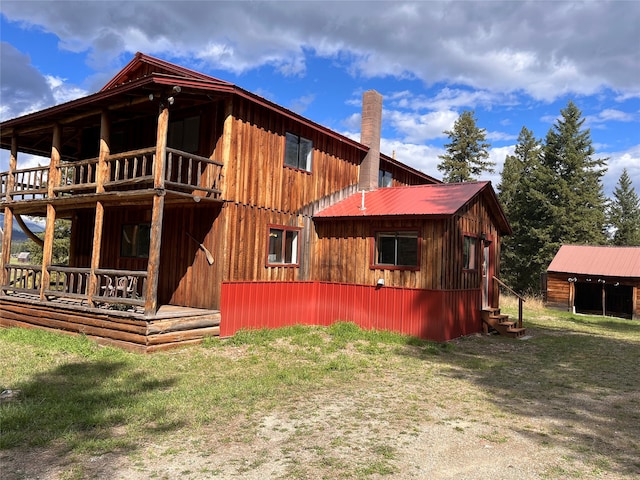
point(429, 314)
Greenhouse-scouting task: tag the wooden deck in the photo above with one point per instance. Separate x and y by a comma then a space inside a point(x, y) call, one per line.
point(172, 326)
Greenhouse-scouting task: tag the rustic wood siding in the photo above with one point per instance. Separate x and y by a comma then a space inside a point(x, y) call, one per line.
point(559, 291)
point(343, 250)
point(255, 174)
point(245, 254)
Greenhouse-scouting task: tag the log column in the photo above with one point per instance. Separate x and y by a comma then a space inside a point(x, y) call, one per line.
point(157, 213)
point(49, 231)
point(5, 258)
point(101, 177)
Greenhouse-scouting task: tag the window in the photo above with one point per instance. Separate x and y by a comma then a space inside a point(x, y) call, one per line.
point(396, 249)
point(283, 246)
point(135, 240)
point(184, 134)
point(385, 179)
point(298, 152)
point(469, 253)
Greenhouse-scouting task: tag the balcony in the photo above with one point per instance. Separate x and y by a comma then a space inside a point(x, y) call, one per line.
point(184, 173)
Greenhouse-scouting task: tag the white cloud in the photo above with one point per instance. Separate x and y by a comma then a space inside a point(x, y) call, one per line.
point(416, 128)
point(540, 48)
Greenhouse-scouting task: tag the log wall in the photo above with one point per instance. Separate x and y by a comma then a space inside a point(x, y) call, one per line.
point(124, 331)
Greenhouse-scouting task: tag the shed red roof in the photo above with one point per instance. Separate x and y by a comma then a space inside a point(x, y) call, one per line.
point(590, 260)
point(419, 200)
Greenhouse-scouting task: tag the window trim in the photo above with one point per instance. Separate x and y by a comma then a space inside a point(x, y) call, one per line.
point(476, 238)
point(298, 167)
point(284, 229)
point(383, 266)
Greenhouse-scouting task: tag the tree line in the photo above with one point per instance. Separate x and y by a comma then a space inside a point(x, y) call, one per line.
point(551, 191)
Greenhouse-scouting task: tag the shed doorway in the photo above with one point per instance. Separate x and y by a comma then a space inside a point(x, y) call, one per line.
point(604, 299)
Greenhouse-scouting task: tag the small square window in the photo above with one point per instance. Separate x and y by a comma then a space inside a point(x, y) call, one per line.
point(396, 249)
point(298, 152)
point(283, 246)
point(135, 240)
point(385, 179)
point(469, 253)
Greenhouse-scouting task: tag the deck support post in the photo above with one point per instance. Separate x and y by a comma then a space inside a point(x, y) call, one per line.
point(7, 228)
point(157, 213)
point(49, 231)
point(101, 173)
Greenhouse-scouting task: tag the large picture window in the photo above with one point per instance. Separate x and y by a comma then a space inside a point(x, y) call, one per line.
point(298, 152)
point(397, 249)
point(135, 240)
point(469, 253)
point(283, 246)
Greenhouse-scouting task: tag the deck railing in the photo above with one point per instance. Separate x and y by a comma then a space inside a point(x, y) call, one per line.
point(521, 299)
point(184, 172)
point(29, 183)
point(23, 278)
point(131, 167)
point(115, 287)
point(126, 287)
point(77, 176)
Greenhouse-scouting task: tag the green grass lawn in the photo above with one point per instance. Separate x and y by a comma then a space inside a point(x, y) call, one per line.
point(572, 387)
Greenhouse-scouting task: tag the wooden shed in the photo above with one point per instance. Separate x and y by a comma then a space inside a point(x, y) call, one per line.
point(198, 208)
point(597, 280)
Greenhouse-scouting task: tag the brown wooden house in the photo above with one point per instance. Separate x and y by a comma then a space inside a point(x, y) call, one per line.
point(595, 280)
point(197, 208)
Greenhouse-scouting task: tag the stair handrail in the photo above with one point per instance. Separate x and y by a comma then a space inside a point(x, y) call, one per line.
point(521, 299)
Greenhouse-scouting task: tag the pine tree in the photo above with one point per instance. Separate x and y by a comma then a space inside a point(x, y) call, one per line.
point(575, 188)
point(624, 213)
point(514, 192)
point(467, 153)
point(556, 198)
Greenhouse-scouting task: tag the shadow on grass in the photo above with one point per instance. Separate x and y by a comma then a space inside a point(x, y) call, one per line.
point(568, 389)
point(82, 403)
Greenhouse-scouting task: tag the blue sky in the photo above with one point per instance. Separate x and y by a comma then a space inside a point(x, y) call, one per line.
point(514, 63)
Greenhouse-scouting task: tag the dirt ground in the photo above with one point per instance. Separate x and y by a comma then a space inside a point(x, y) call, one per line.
point(444, 427)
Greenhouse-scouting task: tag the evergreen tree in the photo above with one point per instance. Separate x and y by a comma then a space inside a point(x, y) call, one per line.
point(467, 153)
point(514, 192)
point(553, 195)
point(575, 187)
point(624, 213)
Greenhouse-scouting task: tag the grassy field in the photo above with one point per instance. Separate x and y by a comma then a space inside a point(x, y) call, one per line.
point(333, 402)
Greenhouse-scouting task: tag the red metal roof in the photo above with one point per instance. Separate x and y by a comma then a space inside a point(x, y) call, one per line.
point(592, 260)
point(443, 199)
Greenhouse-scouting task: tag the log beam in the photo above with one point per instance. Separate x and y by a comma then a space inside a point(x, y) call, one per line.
point(157, 213)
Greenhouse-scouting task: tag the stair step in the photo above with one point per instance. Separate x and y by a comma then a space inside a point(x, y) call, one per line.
point(516, 332)
point(507, 324)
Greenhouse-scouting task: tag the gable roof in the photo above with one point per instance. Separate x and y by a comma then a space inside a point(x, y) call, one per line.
point(438, 200)
point(145, 75)
point(142, 65)
point(597, 260)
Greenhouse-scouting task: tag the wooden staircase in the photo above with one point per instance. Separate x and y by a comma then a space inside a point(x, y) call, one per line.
point(493, 319)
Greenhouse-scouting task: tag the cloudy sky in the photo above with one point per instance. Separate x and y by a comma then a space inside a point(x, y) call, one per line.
point(514, 63)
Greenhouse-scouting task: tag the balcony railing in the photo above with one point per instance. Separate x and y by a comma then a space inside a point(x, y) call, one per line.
point(183, 172)
point(114, 287)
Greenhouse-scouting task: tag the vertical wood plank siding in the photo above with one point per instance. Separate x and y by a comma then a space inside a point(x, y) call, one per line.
point(434, 315)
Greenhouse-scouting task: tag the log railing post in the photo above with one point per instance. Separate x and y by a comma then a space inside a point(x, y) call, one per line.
point(49, 231)
point(5, 258)
point(101, 176)
point(157, 213)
